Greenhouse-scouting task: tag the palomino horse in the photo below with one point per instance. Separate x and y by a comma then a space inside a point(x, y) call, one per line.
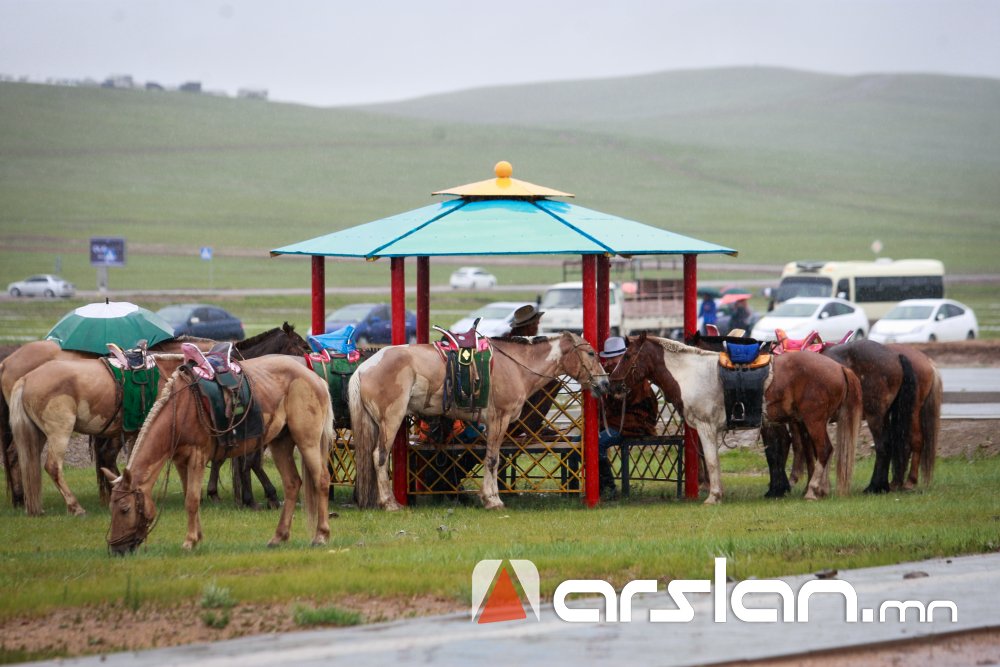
point(54, 400)
point(296, 412)
point(805, 389)
point(409, 379)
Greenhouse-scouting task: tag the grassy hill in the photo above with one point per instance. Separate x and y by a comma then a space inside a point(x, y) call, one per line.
point(779, 164)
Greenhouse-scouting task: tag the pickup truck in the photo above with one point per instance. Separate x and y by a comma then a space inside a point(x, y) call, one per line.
point(653, 305)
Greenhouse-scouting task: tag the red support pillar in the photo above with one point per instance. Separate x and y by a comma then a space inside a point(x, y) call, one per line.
point(423, 299)
point(318, 294)
point(690, 326)
point(590, 425)
point(399, 453)
point(603, 286)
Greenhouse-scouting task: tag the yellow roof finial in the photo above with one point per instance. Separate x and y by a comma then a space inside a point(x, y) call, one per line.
point(503, 169)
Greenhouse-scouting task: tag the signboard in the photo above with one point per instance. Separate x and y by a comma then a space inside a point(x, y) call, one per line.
point(206, 253)
point(106, 251)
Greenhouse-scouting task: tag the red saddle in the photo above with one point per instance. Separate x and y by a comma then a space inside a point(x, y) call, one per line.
point(811, 343)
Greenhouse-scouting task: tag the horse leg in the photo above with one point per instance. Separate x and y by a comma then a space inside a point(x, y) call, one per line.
point(777, 442)
point(191, 478)
point(57, 442)
point(710, 436)
point(242, 482)
point(106, 456)
point(496, 426)
point(285, 462)
point(802, 462)
point(318, 479)
point(213, 481)
point(815, 431)
point(271, 493)
point(880, 473)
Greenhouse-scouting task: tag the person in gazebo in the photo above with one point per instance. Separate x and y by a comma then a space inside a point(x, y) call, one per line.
point(525, 322)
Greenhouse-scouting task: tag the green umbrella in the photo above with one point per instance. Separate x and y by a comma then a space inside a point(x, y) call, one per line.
point(90, 328)
point(707, 291)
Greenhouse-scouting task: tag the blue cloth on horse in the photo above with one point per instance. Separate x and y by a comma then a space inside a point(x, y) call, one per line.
point(340, 341)
point(743, 353)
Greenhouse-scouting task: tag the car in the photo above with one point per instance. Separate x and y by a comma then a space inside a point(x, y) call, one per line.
point(495, 318)
point(41, 285)
point(832, 318)
point(472, 277)
point(372, 323)
point(203, 321)
point(926, 321)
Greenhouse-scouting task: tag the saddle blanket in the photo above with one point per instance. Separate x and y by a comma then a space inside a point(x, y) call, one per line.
point(139, 389)
point(235, 415)
point(336, 371)
point(467, 378)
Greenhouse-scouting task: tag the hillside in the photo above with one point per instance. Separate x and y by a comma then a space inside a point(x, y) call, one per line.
point(779, 164)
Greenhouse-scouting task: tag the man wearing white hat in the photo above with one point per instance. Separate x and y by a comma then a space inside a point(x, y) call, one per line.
point(636, 415)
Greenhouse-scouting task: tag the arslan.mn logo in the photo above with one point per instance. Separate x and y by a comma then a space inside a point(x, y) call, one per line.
point(494, 596)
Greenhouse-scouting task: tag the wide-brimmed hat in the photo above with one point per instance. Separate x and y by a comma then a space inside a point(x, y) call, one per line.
point(613, 347)
point(525, 315)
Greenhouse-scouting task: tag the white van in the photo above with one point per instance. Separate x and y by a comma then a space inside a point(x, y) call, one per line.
point(651, 305)
point(877, 286)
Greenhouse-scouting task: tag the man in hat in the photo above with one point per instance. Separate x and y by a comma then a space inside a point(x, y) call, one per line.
point(635, 416)
point(525, 322)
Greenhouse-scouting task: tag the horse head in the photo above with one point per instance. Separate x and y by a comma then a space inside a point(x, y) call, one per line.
point(580, 362)
point(280, 340)
point(631, 368)
point(131, 514)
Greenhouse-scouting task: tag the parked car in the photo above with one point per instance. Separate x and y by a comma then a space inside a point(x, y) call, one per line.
point(41, 285)
point(472, 277)
point(495, 318)
point(372, 323)
point(831, 317)
point(926, 320)
point(203, 321)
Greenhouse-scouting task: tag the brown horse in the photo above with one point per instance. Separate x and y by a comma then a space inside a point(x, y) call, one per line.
point(410, 379)
point(925, 422)
point(807, 390)
point(296, 411)
point(57, 399)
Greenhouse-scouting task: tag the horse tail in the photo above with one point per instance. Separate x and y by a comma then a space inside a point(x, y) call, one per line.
point(899, 419)
point(364, 433)
point(8, 453)
point(930, 424)
point(848, 425)
point(30, 440)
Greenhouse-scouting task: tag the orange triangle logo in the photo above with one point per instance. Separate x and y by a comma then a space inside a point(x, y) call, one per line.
point(503, 603)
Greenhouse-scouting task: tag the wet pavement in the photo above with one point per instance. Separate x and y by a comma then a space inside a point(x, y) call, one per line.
point(970, 582)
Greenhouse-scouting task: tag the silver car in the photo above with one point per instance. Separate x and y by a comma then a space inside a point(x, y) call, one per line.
point(41, 285)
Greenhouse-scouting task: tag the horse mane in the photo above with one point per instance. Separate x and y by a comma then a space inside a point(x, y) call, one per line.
point(676, 347)
point(524, 340)
point(250, 342)
point(153, 412)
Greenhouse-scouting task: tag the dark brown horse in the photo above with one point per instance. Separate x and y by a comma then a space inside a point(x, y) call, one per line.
point(807, 390)
point(925, 421)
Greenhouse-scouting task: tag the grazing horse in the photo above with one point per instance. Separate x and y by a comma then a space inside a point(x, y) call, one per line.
point(56, 399)
point(803, 389)
point(925, 422)
point(410, 379)
point(296, 412)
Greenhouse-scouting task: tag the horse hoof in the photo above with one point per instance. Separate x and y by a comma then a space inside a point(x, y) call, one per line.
point(319, 542)
point(188, 545)
point(78, 511)
point(215, 499)
point(392, 507)
point(274, 543)
point(493, 505)
point(274, 504)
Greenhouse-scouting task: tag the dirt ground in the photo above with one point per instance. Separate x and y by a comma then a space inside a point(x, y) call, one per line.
point(113, 627)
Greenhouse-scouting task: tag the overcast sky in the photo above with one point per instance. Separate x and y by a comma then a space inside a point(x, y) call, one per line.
point(337, 52)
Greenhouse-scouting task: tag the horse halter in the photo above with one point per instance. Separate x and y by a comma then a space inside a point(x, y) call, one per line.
point(579, 358)
point(143, 524)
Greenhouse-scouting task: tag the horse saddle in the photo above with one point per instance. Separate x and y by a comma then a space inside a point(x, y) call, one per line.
point(225, 393)
point(336, 370)
point(137, 376)
point(468, 361)
point(811, 343)
point(744, 369)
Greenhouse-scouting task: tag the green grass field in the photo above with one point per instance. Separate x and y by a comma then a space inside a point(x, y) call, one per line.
point(59, 560)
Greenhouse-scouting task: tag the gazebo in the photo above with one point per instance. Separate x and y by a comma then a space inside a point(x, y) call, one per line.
point(507, 216)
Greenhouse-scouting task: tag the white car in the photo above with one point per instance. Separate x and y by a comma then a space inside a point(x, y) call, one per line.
point(832, 318)
point(41, 285)
point(496, 318)
point(472, 277)
point(926, 320)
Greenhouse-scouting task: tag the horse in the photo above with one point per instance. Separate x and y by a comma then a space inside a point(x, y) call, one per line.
point(56, 399)
point(80, 394)
point(808, 390)
point(27, 358)
point(280, 340)
point(925, 421)
point(296, 412)
point(409, 379)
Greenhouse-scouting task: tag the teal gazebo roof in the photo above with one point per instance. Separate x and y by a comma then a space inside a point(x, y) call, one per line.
point(501, 223)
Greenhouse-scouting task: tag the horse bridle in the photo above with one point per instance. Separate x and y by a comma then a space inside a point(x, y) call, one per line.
point(576, 349)
point(143, 524)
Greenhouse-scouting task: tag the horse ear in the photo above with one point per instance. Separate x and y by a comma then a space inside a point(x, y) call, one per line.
point(287, 328)
point(110, 475)
point(127, 478)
